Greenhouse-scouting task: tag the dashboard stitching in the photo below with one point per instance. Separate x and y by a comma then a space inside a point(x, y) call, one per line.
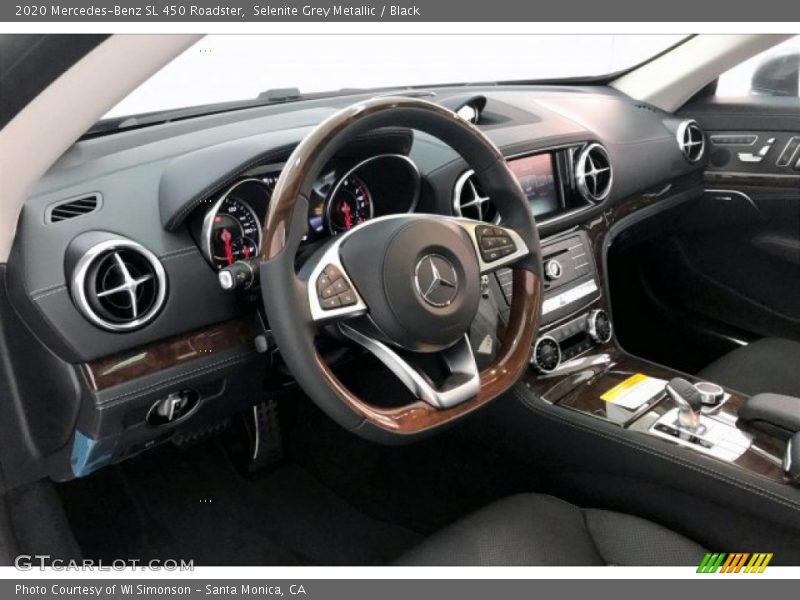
point(45, 289)
point(61, 288)
point(181, 255)
point(179, 252)
point(732, 479)
point(210, 368)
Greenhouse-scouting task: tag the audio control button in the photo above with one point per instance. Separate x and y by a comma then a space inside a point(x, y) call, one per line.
point(553, 269)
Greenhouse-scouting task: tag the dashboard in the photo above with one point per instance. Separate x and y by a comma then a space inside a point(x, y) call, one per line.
point(168, 207)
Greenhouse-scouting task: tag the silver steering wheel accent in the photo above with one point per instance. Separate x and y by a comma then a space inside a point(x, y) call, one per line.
point(462, 383)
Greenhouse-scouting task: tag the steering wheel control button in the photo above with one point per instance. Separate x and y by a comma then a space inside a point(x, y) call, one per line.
point(347, 298)
point(333, 290)
point(494, 243)
point(330, 303)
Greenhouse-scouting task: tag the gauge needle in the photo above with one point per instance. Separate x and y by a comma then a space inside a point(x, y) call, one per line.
point(226, 238)
point(347, 222)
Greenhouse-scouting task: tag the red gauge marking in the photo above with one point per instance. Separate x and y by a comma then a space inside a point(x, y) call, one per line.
point(226, 238)
point(347, 222)
point(246, 250)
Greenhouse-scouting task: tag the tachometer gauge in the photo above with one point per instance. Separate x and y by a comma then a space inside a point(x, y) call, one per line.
point(232, 230)
point(349, 205)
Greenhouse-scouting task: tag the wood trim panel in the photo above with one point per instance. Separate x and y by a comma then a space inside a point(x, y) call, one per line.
point(752, 179)
point(147, 360)
point(764, 458)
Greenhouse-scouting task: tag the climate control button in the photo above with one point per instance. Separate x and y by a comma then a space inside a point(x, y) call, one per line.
point(599, 326)
point(546, 354)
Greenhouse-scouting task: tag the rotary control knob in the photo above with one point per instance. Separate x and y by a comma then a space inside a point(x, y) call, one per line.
point(546, 354)
point(599, 327)
point(711, 393)
point(553, 269)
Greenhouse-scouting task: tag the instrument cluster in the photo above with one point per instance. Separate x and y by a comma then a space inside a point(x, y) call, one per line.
point(346, 195)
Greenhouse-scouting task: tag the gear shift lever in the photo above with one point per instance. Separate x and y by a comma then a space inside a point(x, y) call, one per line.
point(688, 400)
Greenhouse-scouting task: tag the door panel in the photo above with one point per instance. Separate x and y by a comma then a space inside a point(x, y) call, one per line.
point(740, 247)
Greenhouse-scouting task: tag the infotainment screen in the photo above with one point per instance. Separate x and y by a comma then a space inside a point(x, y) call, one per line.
point(535, 175)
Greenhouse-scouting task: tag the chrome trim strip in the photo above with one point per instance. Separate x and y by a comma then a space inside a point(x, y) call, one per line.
point(734, 193)
point(459, 359)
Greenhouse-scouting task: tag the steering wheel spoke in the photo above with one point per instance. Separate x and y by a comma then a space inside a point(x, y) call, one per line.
point(461, 379)
point(496, 246)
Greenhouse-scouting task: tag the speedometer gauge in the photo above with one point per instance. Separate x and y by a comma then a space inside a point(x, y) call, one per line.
point(232, 230)
point(349, 205)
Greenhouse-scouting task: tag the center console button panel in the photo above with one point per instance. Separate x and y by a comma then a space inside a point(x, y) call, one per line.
point(710, 436)
point(577, 336)
point(569, 277)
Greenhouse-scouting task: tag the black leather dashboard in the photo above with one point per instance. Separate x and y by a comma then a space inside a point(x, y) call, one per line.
point(151, 179)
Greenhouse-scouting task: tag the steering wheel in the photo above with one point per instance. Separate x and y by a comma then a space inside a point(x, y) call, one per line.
point(405, 287)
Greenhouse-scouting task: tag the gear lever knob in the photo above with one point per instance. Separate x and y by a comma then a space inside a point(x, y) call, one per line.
point(688, 399)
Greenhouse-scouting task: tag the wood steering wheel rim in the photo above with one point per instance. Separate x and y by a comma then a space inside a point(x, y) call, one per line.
point(284, 292)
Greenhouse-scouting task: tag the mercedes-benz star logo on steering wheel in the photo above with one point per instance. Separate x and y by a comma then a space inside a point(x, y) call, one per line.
point(436, 280)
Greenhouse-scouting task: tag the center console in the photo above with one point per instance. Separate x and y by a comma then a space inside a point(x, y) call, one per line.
point(575, 362)
point(577, 365)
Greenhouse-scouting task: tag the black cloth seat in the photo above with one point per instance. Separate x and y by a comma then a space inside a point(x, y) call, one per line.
point(538, 530)
point(767, 365)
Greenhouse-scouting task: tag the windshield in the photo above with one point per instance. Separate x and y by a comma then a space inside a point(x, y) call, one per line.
point(225, 68)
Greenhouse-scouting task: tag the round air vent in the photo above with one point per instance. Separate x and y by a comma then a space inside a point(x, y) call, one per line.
point(593, 173)
point(471, 202)
point(119, 285)
point(691, 140)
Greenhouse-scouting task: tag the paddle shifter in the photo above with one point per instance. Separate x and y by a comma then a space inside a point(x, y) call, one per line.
point(688, 400)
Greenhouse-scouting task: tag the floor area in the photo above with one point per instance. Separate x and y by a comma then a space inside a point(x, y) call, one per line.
point(194, 504)
point(335, 500)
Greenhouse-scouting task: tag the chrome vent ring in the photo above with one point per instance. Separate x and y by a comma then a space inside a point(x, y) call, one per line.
point(471, 202)
point(593, 173)
point(119, 285)
point(691, 140)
